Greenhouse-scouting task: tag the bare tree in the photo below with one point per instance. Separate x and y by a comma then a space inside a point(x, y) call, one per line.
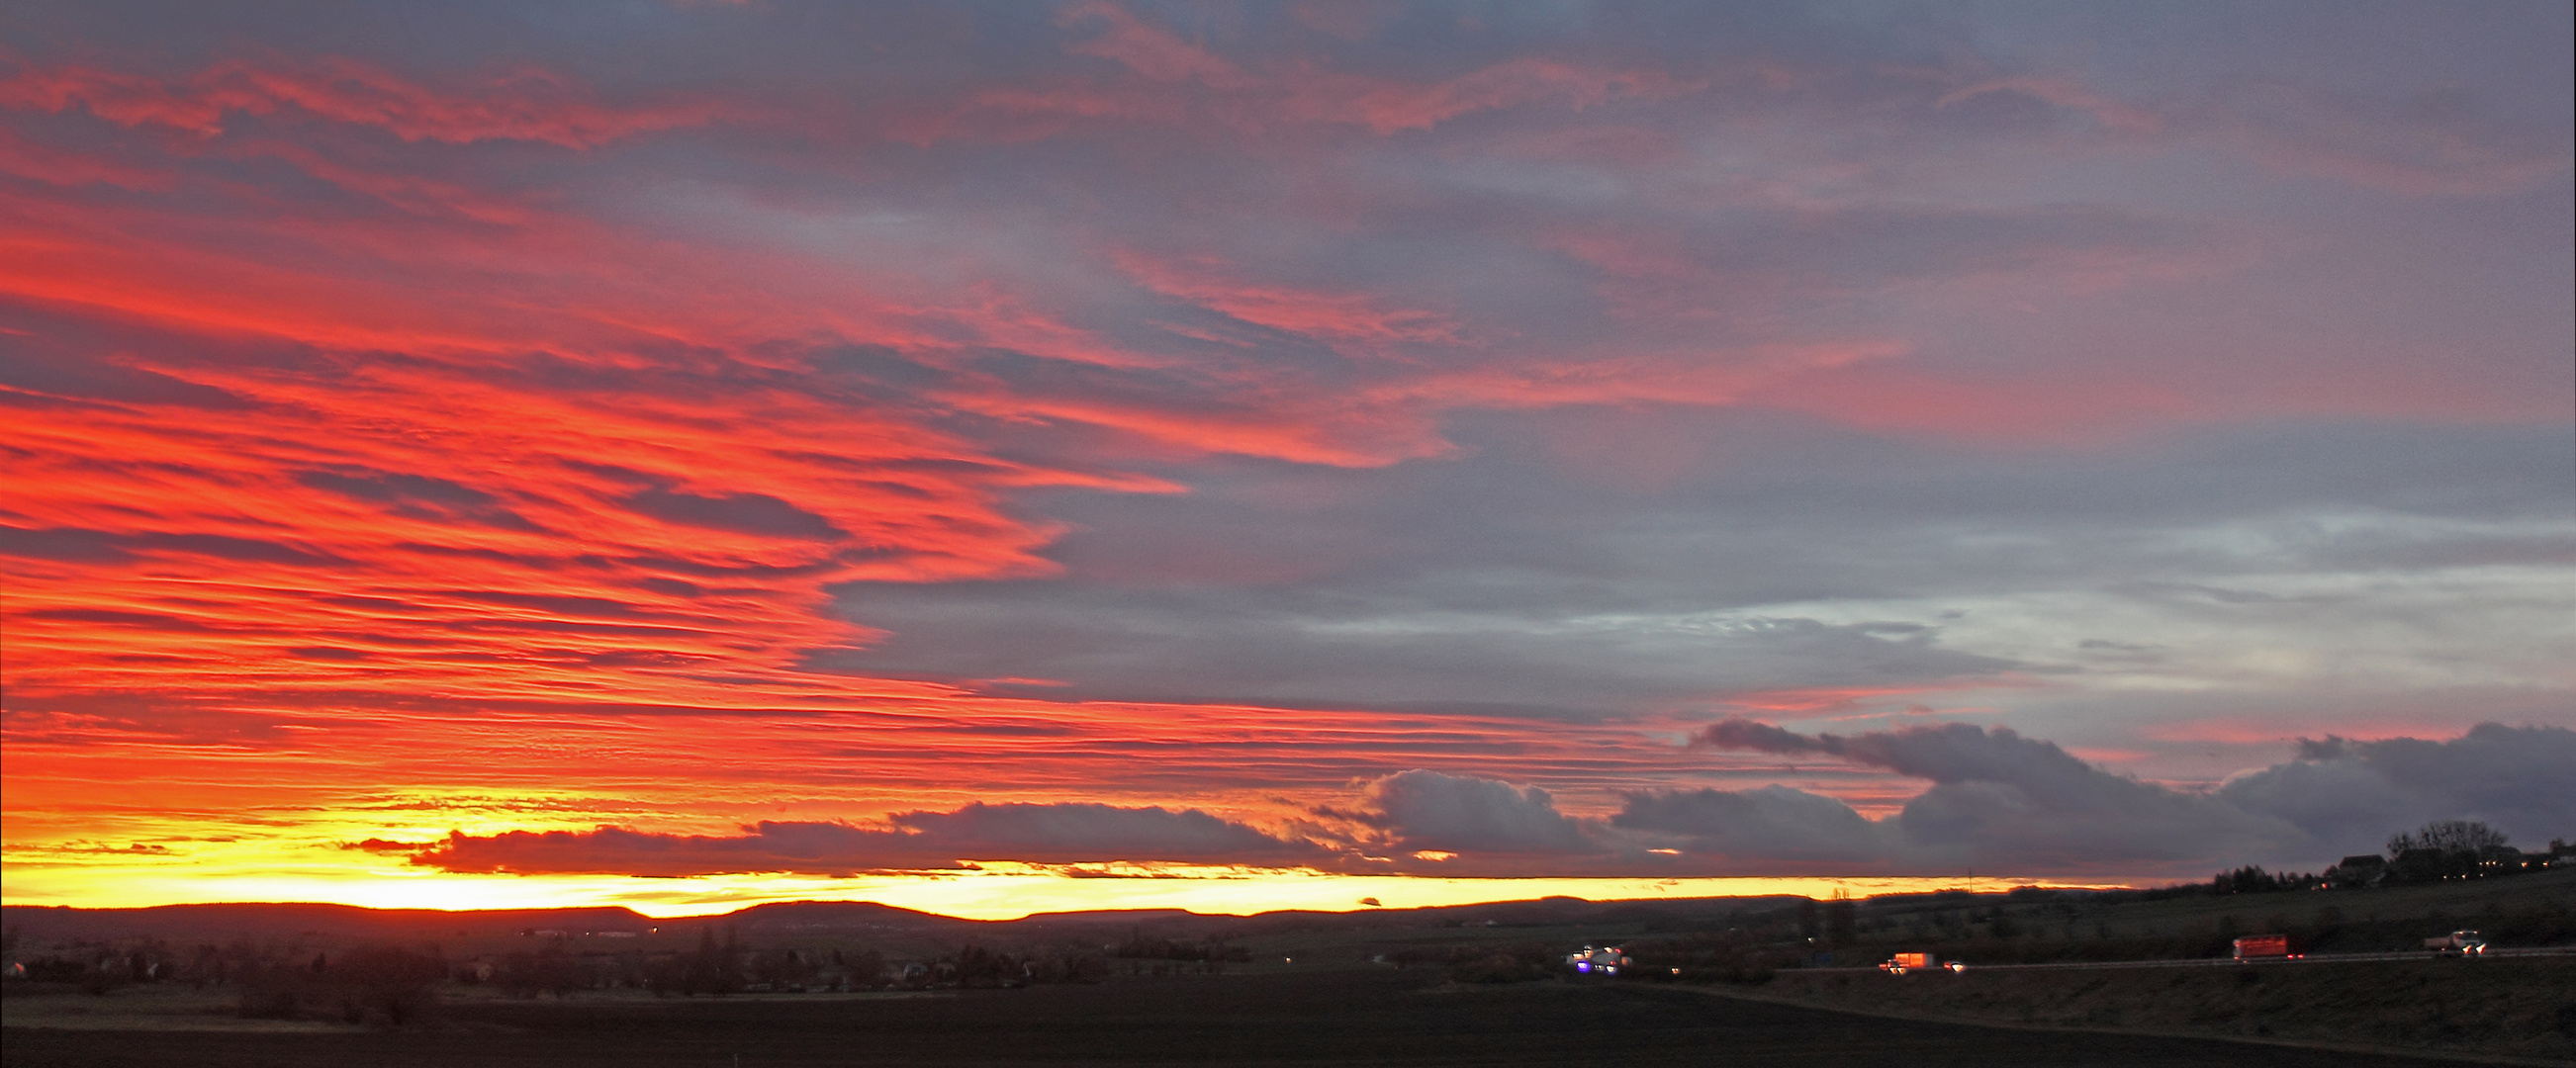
point(2447, 836)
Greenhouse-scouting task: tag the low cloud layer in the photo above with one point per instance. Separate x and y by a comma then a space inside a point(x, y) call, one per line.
point(1429, 811)
point(2520, 780)
point(1997, 796)
point(1034, 833)
point(1997, 801)
point(2000, 800)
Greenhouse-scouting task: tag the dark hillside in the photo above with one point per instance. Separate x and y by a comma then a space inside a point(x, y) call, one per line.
point(1338, 1018)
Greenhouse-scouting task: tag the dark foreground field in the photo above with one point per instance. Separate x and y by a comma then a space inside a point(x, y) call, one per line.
point(1339, 1017)
point(2522, 1008)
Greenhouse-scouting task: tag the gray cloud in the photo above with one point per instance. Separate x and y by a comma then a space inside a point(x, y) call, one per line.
point(1999, 799)
point(1070, 833)
point(749, 513)
point(1428, 810)
point(2521, 780)
point(1772, 823)
point(417, 496)
point(1073, 832)
point(1998, 795)
point(73, 543)
point(1601, 561)
point(1339, 647)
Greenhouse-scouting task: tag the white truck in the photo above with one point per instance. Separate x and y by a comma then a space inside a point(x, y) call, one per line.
point(2457, 944)
point(1599, 960)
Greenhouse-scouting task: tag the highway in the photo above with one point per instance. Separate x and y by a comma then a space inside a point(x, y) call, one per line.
point(2225, 962)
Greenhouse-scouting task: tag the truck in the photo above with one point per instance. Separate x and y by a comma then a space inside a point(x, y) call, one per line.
point(2265, 947)
point(1905, 962)
point(2457, 944)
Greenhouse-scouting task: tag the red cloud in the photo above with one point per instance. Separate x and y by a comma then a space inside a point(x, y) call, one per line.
point(1329, 316)
point(1387, 106)
point(368, 435)
point(1150, 51)
point(1176, 83)
point(527, 105)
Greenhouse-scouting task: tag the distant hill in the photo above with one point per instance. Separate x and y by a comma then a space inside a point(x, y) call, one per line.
point(279, 920)
point(258, 920)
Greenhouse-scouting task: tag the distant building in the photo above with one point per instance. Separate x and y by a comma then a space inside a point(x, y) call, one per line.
point(2367, 869)
point(1598, 960)
point(2425, 865)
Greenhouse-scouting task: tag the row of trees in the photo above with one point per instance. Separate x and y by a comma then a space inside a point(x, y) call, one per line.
point(386, 986)
point(393, 985)
point(2444, 849)
point(727, 968)
point(1209, 951)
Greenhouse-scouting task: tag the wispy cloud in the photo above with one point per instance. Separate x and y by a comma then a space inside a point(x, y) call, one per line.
point(1132, 405)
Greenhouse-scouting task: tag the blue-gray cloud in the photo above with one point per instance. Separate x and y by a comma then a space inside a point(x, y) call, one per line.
point(1999, 799)
point(1065, 833)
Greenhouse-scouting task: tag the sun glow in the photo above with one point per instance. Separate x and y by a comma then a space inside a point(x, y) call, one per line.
point(1001, 891)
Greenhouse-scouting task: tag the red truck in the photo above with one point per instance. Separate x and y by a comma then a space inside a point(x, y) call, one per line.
point(2265, 947)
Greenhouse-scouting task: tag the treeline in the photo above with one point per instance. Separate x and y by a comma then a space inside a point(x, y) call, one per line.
point(1210, 950)
point(729, 968)
point(2252, 879)
point(2446, 849)
point(1482, 963)
point(397, 986)
point(385, 985)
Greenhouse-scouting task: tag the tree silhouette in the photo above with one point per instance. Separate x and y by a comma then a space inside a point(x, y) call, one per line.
point(2447, 836)
point(1842, 920)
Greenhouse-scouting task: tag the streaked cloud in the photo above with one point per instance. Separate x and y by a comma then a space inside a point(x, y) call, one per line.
point(1390, 428)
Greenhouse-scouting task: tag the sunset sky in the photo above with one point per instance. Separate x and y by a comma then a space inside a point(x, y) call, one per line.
point(461, 454)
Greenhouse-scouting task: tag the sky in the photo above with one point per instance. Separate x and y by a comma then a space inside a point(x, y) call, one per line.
point(1001, 457)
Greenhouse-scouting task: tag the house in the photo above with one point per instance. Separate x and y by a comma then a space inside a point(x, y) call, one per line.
point(2355, 872)
point(1598, 960)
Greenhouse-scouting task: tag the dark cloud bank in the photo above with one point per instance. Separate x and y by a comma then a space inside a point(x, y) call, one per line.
point(1998, 801)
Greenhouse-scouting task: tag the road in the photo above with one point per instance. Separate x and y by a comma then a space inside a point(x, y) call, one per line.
point(2223, 962)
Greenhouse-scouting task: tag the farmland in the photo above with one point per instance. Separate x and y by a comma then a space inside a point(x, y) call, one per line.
point(1341, 1015)
point(1765, 980)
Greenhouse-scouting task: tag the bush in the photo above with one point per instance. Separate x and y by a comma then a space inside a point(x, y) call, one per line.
point(382, 986)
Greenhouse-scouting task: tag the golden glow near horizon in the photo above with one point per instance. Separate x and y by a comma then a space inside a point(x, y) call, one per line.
point(294, 870)
point(196, 860)
point(1002, 892)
